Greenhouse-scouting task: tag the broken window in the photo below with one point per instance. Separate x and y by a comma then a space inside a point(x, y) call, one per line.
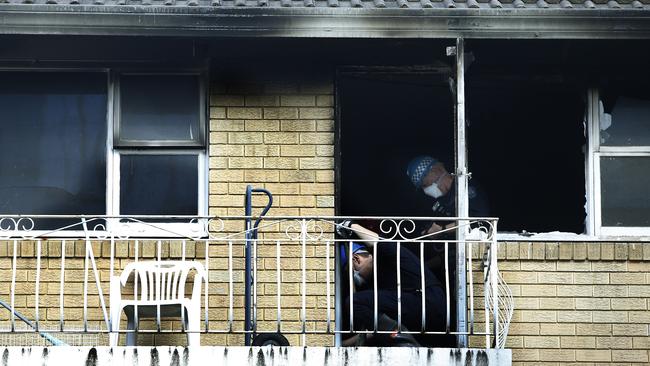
point(622, 159)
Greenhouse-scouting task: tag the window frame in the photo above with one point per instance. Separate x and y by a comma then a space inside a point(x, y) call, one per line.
point(596, 152)
point(118, 142)
point(190, 229)
point(114, 151)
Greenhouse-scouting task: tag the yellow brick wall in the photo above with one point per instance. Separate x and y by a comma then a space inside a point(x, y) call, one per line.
point(578, 303)
point(278, 136)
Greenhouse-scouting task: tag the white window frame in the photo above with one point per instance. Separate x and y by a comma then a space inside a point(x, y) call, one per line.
point(189, 229)
point(596, 152)
point(185, 229)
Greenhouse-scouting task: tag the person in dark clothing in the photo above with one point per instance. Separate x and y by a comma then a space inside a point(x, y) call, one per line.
point(437, 188)
point(411, 284)
point(431, 176)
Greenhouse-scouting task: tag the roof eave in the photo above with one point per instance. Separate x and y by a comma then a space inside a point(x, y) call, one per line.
point(324, 22)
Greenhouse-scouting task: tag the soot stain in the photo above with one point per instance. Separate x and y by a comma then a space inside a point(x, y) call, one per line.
point(155, 359)
point(44, 355)
point(176, 359)
point(260, 358)
point(482, 359)
point(91, 359)
point(186, 356)
point(468, 358)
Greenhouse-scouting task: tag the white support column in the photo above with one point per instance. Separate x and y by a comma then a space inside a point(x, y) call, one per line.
point(461, 194)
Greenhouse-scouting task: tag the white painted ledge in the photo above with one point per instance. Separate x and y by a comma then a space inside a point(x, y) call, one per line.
point(255, 356)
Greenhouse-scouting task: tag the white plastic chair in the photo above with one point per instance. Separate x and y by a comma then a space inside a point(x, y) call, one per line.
point(160, 293)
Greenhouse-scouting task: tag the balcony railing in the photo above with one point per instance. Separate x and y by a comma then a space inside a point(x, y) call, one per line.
point(263, 275)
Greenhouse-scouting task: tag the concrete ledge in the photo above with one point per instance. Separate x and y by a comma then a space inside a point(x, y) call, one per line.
point(258, 356)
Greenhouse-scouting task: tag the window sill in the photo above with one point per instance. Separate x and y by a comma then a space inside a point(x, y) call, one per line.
point(557, 236)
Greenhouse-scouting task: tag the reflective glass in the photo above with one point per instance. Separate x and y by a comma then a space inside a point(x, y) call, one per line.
point(53, 143)
point(628, 124)
point(625, 191)
point(159, 109)
point(158, 184)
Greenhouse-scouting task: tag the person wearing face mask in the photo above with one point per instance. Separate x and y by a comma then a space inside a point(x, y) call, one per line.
point(364, 271)
point(431, 177)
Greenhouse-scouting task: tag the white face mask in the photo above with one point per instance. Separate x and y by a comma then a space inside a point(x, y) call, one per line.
point(433, 191)
point(359, 281)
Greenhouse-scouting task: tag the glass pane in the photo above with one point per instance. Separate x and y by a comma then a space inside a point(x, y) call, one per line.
point(159, 185)
point(159, 108)
point(628, 123)
point(53, 143)
point(625, 191)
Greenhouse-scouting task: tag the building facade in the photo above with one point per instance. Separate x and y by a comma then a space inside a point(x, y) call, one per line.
point(135, 108)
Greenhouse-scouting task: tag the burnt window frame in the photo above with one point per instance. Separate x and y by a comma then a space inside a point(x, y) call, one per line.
point(597, 151)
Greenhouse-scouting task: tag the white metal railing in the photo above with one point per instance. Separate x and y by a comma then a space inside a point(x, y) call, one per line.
point(294, 263)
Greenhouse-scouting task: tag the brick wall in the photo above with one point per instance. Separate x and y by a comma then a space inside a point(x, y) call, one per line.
point(578, 303)
point(278, 136)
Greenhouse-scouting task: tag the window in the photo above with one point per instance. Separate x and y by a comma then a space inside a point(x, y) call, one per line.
point(53, 144)
point(159, 110)
point(621, 159)
point(158, 145)
point(61, 155)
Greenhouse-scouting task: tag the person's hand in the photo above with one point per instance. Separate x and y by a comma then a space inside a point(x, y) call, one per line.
point(434, 228)
point(343, 229)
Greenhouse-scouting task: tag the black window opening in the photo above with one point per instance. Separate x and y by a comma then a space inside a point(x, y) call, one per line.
point(526, 144)
point(526, 131)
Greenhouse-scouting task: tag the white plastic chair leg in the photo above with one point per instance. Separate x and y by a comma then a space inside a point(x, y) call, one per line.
point(193, 327)
point(131, 337)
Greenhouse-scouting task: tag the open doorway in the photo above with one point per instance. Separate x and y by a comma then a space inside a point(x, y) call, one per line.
point(386, 118)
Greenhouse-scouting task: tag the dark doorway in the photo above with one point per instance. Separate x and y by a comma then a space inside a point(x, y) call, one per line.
point(386, 119)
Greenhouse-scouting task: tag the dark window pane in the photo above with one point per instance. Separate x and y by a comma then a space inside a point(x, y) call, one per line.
point(53, 143)
point(628, 124)
point(159, 185)
point(625, 191)
point(159, 108)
